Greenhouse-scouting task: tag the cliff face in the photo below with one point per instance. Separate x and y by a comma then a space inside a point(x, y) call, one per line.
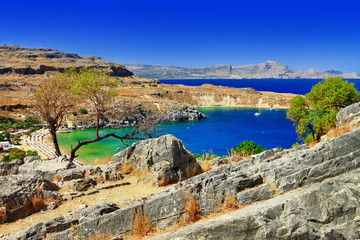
point(27, 61)
point(269, 69)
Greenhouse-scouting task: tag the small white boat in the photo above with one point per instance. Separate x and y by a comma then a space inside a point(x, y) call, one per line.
point(271, 109)
point(257, 114)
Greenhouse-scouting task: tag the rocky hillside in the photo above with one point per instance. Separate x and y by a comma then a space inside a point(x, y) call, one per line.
point(269, 69)
point(27, 61)
point(298, 193)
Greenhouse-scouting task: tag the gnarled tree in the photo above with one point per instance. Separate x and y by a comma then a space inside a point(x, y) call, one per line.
point(53, 101)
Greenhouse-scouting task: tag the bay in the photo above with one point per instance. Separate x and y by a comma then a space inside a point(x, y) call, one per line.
point(222, 130)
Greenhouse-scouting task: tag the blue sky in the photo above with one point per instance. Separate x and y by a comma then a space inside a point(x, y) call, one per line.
point(300, 34)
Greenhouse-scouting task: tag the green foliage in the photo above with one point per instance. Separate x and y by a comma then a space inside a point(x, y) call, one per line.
point(6, 158)
point(295, 144)
point(6, 134)
point(208, 155)
point(247, 148)
point(315, 114)
point(16, 137)
point(31, 153)
point(17, 153)
point(74, 113)
point(83, 111)
point(2, 137)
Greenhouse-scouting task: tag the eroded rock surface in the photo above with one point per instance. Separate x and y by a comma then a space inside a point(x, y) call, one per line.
point(165, 155)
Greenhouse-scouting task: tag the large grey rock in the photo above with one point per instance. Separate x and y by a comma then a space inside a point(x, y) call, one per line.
point(165, 154)
point(46, 168)
point(16, 192)
point(10, 168)
point(82, 184)
point(350, 114)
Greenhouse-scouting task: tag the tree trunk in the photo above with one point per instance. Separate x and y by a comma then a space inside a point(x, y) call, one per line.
point(97, 124)
point(56, 144)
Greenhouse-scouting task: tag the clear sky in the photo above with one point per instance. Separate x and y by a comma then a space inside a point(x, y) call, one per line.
point(301, 34)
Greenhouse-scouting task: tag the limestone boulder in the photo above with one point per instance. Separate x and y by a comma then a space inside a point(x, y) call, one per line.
point(46, 168)
point(350, 114)
point(17, 191)
point(10, 168)
point(165, 155)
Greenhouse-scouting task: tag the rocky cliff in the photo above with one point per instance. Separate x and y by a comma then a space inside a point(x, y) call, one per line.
point(298, 193)
point(269, 69)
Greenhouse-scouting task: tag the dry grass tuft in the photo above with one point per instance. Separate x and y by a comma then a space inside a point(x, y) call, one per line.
point(141, 225)
point(276, 189)
point(205, 166)
point(57, 178)
point(104, 160)
point(52, 200)
point(38, 203)
point(127, 168)
point(192, 209)
point(312, 143)
point(230, 203)
point(3, 214)
point(100, 179)
point(340, 130)
point(101, 237)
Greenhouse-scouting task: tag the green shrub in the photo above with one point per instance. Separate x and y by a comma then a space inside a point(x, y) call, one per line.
point(248, 148)
point(6, 158)
point(2, 137)
point(83, 111)
point(74, 113)
point(16, 153)
point(6, 135)
point(295, 144)
point(16, 137)
point(31, 153)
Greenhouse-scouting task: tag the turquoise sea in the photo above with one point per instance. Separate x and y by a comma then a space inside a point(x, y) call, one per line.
point(223, 129)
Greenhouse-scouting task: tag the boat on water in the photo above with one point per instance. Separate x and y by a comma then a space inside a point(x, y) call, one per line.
point(257, 114)
point(271, 109)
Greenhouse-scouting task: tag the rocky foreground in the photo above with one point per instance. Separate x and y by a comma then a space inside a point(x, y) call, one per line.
point(298, 193)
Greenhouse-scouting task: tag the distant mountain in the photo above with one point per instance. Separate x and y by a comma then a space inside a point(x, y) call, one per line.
point(269, 69)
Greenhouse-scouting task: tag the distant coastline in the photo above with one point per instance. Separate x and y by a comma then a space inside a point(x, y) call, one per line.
point(268, 70)
point(294, 86)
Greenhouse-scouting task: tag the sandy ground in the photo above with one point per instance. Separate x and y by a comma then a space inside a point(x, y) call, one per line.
point(116, 195)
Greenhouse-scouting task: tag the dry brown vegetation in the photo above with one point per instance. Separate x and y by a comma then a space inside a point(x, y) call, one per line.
point(3, 214)
point(104, 160)
point(192, 208)
point(38, 203)
point(340, 130)
point(230, 203)
point(57, 178)
point(206, 166)
point(141, 225)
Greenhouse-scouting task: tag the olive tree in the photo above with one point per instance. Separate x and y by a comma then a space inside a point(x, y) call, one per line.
point(315, 113)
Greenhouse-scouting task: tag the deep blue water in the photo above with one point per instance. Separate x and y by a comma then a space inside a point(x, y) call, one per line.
point(226, 127)
point(297, 86)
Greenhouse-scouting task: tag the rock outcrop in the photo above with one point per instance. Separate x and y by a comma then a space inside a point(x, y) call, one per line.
point(299, 193)
point(166, 156)
point(269, 69)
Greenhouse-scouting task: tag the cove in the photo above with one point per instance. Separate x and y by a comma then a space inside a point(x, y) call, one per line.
point(222, 130)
